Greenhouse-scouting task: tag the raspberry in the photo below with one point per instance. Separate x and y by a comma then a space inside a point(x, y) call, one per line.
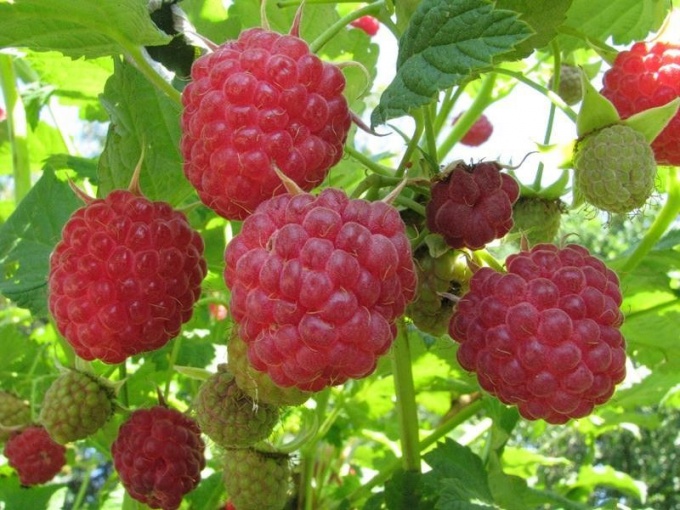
point(230, 417)
point(614, 169)
point(545, 335)
point(471, 205)
point(258, 102)
point(646, 76)
point(570, 88)
point(14, 413)
point(478, 133)
point(258, 385)
point(35, 456)
point(3, 115)
point(537, 219)
point(368, 24)
point(159, 456)
point(317, 284)
point(256, 480)
point(445, 274)
point(124, 277)
point(75, 406)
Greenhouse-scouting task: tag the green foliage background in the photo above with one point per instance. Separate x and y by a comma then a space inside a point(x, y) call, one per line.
point(348, 444)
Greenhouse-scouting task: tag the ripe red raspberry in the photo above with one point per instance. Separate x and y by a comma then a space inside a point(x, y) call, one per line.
point(479, 133)
point(36, 457)
point(545, 335)
point(471, 205)
point(3, 115)
point(258, 102)
point(159, 456)
point(317, 284)
point(124, 277)
point(643, 77)
point(368, 24)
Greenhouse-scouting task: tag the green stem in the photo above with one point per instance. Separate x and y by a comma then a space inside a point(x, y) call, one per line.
point(136, 55)
point(663, 220)
point(442, 430)
point(18, 128)
point(554, 98)
point(411, 204)
point(551, 115)
point(82, 491)
point(330, 32)
point(446, 106)
point(125, 395)
point(173, 359)
point(308, 453)
point(465, 122)
point(368, 162)
point(430, 133)
point(407, 410)
point(412, 144)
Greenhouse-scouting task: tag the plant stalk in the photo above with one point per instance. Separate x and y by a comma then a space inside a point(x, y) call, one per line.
point(18, 128)
point(407, 410)
point(663, 220)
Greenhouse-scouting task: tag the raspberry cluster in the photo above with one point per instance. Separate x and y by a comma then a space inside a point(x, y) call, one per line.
point(317, 283)
point(643, 77)
point(159, 455)
point(258, 102)
point(124, 277)
point(545, 335)
point(36, 457)
point(471, 205)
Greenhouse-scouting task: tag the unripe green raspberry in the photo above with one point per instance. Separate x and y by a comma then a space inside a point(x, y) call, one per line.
point(76, 406)
point(570, 88)
point(446, 274)
point(256, 480)
point(230, 417)
point(14, 413)
point(614, 169)
point(258, 385)
point(537, 219)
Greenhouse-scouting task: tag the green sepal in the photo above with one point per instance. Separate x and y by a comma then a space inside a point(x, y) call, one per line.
point(596, 111)
point(652, 121)
point(557, 188)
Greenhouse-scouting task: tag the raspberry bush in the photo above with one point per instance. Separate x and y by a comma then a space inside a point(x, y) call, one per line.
point(336, 289)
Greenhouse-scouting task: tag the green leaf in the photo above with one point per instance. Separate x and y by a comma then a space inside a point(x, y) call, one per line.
point(37, 497)
point(84, 168)
point(652, 121)
point(12, 345)
point(446, 43)
point(78, 29)
point(44, 141)
point(623, 20)
point(596, 111)
point(403, 490)
point(590, 477)
point(75, 82)
point(513, 493)
point(543, 17)
point(458, 476)
point(141, 116)
point(28, 237)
